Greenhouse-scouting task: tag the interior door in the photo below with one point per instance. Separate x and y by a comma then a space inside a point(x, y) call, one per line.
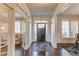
point(41, 32)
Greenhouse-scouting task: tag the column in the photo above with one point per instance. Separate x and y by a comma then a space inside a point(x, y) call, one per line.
point(0, 35)
point(30, 32)
point(21, 30)
point(11, 33)
point(26, 33)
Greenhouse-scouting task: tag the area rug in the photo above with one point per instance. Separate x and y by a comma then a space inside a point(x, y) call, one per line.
point(41, 46)
point(72, 50)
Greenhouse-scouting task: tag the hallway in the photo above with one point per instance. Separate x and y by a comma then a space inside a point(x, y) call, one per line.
point(38, 29)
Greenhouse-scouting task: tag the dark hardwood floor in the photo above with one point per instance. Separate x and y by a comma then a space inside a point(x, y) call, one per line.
point(36, 50)
point(40, 49)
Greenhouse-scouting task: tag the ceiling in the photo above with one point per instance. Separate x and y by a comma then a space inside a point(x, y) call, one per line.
point(17, 14)
point(41, 9)
point(73, 9)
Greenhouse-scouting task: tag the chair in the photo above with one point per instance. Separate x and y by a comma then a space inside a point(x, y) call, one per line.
point(77, 40)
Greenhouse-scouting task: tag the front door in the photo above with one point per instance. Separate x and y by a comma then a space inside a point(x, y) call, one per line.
point(41, 32)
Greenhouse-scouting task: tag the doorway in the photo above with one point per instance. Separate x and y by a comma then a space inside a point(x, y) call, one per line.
point(41, 32)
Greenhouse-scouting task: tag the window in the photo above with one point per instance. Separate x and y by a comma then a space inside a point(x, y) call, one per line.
point(74, 28)
point(17, 27)
point(65, 28)
point(69, 28)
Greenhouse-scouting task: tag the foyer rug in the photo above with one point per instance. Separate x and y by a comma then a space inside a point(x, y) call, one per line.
point(41, 46)
point(72, 50)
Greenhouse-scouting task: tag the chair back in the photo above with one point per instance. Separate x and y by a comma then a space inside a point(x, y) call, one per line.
point(77, 36)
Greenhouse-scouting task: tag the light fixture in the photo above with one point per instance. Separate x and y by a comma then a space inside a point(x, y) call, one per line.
point(2, 28)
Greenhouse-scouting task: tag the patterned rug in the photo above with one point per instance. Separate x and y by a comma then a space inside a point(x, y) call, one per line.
point(41, 46)
point(72, 50)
